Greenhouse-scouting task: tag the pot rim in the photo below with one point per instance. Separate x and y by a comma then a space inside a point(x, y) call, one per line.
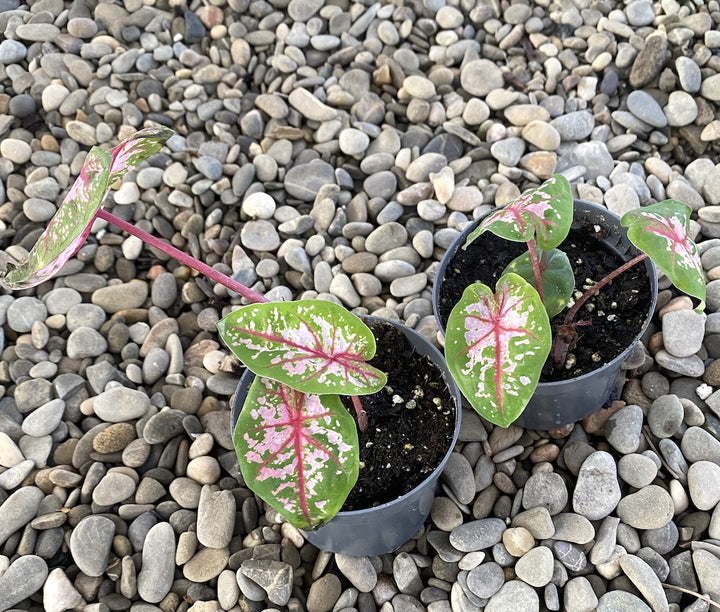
point(613, 222)
point(439, 360)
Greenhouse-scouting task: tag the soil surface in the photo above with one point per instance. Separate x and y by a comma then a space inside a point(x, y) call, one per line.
point(410, 422)
point(615, 315)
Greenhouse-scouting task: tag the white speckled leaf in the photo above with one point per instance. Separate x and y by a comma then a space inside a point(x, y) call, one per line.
point(310, 345)
point(298, 452)
point(661, 231)
point(67, 230)
point(496, 345)
point(543, 214)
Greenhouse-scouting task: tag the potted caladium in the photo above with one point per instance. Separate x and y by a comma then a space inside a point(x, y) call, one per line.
point(297, 444)
point(500, 341)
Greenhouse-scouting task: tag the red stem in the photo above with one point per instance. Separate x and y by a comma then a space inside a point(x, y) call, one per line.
point(537, 273)
point(182, 257)
point(362, 419)
point(599, 285)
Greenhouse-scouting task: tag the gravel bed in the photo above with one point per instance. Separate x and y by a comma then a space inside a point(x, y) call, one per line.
point(333, 150)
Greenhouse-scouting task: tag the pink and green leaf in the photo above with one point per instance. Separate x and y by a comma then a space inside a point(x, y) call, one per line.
point(544, 214)
point(310, 345)
point(558, 281)
point(662, 231)
point(298, 452)
point(67, 230)
point(496, 345)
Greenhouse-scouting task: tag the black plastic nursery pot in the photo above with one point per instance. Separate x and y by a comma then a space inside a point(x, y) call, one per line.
point(382, 528)
point(561, 402)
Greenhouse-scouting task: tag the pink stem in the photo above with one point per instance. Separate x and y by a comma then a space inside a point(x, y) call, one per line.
point(362, 419)
point(599, 285)
point(182, 257)
point(537, 273)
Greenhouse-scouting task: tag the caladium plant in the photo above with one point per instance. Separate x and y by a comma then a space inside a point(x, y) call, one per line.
point(296, 443)
point(497, 343)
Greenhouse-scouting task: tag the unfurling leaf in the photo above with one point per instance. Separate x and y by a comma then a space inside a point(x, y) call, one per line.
point(558, 281)
point(298, 452)
point(67, 230)
point(496, 345)
point(544, 214)
point(310, 345)
point(661, 231)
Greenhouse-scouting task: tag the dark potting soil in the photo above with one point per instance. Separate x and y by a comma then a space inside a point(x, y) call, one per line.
point(411, 422)
point(615, 314)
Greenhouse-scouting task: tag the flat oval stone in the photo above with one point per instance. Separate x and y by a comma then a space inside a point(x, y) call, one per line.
point(597, 491)
point(157, 572)
point(90, 544)
point(477, 535)
point(120, 404)
point(650, 508)
point(24, 577)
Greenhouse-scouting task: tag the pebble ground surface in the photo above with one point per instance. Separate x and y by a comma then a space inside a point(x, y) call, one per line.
point(334, 150)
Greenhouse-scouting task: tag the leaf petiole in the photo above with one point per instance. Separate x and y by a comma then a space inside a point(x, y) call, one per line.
point(182, 257)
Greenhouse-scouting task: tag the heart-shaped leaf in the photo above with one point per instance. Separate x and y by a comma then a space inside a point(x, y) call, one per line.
point(661, 231)
point(558, 281)
point(67, 230)
point(298, 452)
point(544, 214)
point(496, 345)
point(310, 345)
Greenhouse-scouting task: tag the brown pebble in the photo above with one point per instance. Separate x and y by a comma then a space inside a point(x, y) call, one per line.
point(155, 271)
point(633, 394)
point(712, 373)
point(713, 273)
point(561, 432)
point(655, 343)
point(115, 438)
point(546, 452)
point(682, 302)
point(595, 422)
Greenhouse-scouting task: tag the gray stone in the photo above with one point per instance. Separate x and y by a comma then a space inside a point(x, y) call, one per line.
point(458, 474)
point(646, 581)
point(91, 543)
point(547, 490)
point(578, 595)
point(665, 416)
point(621, 601)
point(486, 579)
point(683, 332)
point(514, 595)
point(158, 563)
point(703, 479)
point(275, 578)
point(477, 535)
point(650, 508)
point(597, 491)
point(216, 518)
point(536, 566)
point(623, 429)
point(18, 510)
point(24, 577)
point(120, 404)
point(699, 445)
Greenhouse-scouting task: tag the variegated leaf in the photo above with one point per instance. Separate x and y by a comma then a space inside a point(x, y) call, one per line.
point(130, 153)
point(310, 345)
point(558, 281)
point(661, 231)
point(67, 230)
point(298, 452)
point(543, 214)
point(496, 345)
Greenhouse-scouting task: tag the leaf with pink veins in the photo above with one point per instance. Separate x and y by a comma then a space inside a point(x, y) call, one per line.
point(662, 231)
point(543, 214)
point(298, 452)
point(310, 345)
point(496, 345)
point(67, 230)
